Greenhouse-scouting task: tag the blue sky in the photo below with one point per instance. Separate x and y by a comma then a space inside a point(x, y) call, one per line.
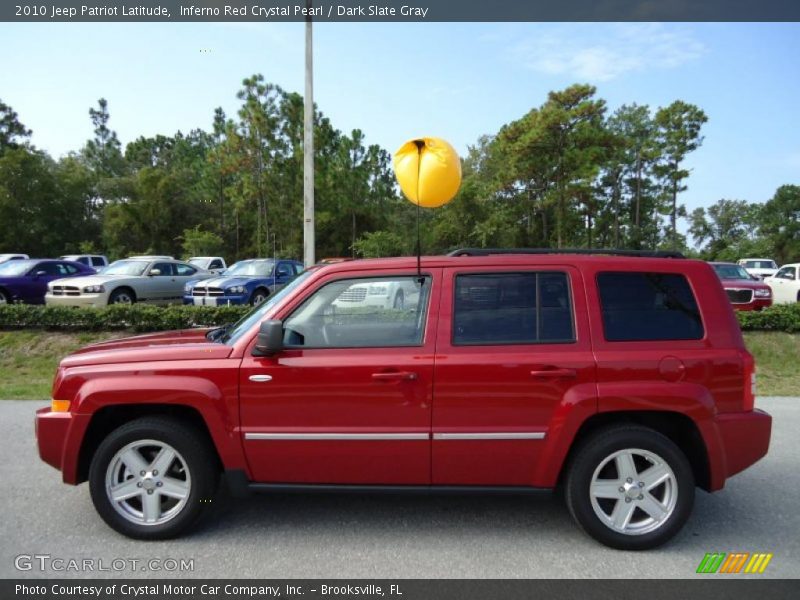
point(397, 81)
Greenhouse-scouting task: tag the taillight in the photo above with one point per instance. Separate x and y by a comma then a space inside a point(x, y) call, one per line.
point(749, 381)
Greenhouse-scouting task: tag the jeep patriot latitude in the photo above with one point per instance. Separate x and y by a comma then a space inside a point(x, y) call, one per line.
point(620, 377)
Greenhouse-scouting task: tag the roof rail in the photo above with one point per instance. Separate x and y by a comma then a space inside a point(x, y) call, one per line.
point(607, 251)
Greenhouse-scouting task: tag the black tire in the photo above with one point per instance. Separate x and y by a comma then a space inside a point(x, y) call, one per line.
point(258, 296)
point(122, 295)
point(201, 469)
point(4, 299)
point(592, 454)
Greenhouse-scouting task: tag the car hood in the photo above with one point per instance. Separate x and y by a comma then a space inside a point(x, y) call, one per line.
point(189, 344)
point(91, 279)
point(229, 281)
point(743, 284)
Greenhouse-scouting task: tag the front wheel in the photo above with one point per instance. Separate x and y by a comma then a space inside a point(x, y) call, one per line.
point(258, 296)
point(122, 296)
point(152, 478)
point(630, 487)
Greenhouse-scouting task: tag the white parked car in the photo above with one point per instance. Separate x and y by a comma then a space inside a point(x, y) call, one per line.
point(155, 281)
point(215, 264)
point(96, 261)
point(759, 267)
point(7, 257)
point(785, 284)
point(395, 293)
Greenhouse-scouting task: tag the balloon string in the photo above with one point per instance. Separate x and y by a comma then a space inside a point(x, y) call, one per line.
point(420, 145)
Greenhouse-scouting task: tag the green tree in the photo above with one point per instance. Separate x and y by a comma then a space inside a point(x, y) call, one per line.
point(678, 130)
point(11, 130)
point(197, 242)
point(780, 223)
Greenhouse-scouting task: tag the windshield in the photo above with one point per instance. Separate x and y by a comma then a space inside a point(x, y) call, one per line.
point(760, 264)
point(126, 267)
point(13, 268)
point(258, 313)
point(252, 268)
point(731, 272)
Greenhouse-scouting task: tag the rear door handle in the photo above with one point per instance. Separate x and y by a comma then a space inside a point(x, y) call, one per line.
point(394, 376)
point(554, 373)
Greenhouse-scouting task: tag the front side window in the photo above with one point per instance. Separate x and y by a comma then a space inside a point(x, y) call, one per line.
point(164, 269)
point(215, 264)
point(361, 313)
point(512, 308)
point(97, 261)
point(786, 273)
point(648, 306)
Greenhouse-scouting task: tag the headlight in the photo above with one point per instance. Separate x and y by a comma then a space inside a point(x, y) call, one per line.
point(237, 289)
point(187, 289)
point(763, 293)
point(94, 289)
point(378, 290)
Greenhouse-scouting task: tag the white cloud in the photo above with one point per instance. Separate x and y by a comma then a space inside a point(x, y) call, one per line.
point(601, 52)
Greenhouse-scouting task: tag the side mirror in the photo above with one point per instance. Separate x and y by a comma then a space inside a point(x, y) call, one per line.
point(154, 272)
point(270, 338)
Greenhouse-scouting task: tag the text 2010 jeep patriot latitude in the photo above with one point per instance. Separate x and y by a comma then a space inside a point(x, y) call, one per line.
point(623, 379)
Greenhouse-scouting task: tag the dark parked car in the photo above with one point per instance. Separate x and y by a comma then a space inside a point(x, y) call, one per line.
point(26, 280)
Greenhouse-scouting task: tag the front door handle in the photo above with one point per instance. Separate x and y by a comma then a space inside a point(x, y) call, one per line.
point(554, 373)
point(394, 376)
point(260, 378)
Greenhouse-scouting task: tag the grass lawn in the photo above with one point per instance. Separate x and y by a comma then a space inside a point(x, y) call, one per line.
point(28, 361)
point(777, 362)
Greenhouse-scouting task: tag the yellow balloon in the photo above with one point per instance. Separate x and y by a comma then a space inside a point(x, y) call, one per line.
point(428, 171)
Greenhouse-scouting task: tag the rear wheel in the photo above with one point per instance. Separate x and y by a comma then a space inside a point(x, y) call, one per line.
point(152, 478)
point(122, 296)
point(630, 487)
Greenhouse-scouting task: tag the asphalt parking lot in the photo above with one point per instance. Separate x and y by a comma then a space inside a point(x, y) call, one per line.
point(381, 536)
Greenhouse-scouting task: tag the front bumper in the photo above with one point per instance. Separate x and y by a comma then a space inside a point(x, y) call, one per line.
point(82, 300)
point(755, 304)
point(226, 300)
point(59, 436)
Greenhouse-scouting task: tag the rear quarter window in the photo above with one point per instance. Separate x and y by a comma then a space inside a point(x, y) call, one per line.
point(648, 307)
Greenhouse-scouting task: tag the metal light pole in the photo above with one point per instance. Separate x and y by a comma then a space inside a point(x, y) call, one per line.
point(308, 152)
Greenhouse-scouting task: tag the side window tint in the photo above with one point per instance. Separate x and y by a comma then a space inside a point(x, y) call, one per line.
point(97, 262)
point(512, 308)
point(164, 268)
point(69, 269)
point(185, 270)
point(361, 313)
point(648, 306)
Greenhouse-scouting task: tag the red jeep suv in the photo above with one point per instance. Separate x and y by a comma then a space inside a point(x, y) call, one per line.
point(620, 377)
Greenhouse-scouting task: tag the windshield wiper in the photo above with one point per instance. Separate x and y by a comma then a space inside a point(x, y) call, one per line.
point(216, 335)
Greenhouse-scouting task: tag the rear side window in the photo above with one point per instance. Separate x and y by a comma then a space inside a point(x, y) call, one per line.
point(648, 306)
point(98, 261)
point(512, 308)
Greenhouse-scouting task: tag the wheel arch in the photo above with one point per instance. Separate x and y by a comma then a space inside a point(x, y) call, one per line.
point(108, 418)
point(678, 427)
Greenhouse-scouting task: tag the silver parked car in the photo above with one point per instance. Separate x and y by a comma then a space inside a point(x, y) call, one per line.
point(155, 281)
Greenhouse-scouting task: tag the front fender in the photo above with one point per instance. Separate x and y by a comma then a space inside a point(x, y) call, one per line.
point(217, 407)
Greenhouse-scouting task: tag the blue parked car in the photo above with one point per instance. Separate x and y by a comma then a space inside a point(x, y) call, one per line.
point(246, 282)
point(26, 280)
